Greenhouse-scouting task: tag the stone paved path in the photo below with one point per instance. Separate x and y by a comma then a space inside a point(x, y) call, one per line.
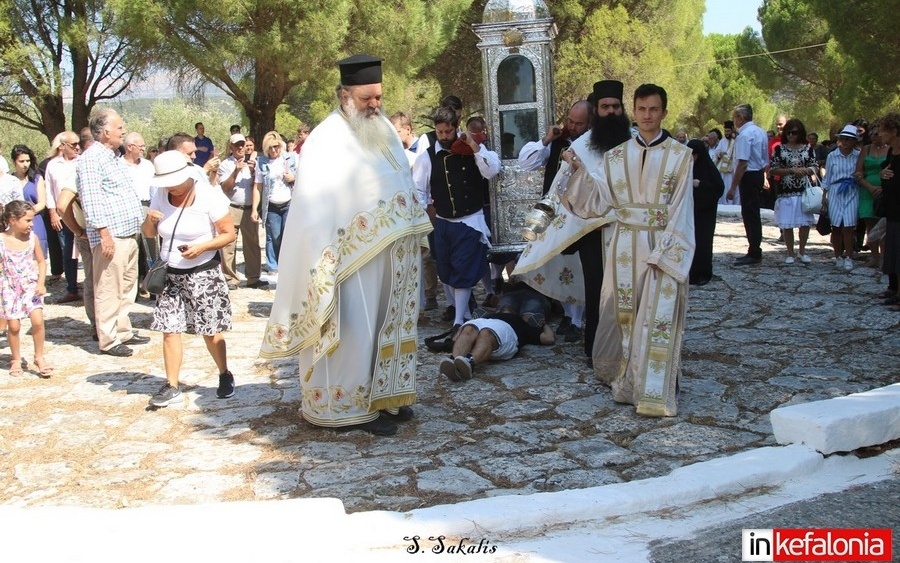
point(757, 338)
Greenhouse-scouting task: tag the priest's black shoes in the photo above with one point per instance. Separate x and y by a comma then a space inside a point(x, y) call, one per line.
point(403, 414)
point(381, 426)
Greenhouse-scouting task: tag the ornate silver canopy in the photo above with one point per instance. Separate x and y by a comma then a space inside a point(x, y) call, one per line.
point(517, 67)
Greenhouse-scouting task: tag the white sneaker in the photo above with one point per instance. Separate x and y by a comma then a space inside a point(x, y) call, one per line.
point(848, 264)
point(805, 259)
point(789, 260)
point(839, 263)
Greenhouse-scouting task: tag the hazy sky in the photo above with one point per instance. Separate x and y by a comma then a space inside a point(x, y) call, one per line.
point(730, 16)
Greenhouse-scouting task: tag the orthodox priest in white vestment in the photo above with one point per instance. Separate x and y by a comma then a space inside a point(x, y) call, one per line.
point(348, 295)
point(542, 265)
point(647, 195)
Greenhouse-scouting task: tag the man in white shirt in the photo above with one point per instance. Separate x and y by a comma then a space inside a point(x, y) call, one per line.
point(60, 174)
point(752, 155)
point(546, 151)
point(142, 172)
point(236, 174)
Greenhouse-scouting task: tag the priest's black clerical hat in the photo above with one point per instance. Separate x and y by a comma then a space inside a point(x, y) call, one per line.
point(360, 69)
point(608, 89)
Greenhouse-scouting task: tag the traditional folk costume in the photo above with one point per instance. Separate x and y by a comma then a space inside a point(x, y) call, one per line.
point(455, 184)
point(647, 194)
point(348, 303)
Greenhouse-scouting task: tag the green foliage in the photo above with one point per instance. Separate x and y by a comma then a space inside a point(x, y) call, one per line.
point(56, 46)
point(258, 54)
point(14, 134)
point(613, 43)
point(865, 30)
point(408, 35)
point(457, 70)
point(816, 79)
point(726, 85)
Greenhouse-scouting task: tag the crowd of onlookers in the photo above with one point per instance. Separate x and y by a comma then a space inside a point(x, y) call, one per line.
point(847, 166)
point(104, 197)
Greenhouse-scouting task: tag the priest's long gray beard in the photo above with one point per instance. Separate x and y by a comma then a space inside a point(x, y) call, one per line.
point(370, 126)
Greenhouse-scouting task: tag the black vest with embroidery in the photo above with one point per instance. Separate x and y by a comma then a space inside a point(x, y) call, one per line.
point(457, 186)
point(552, 167)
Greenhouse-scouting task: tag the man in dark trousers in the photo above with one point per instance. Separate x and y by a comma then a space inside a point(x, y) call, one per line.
point(452, 186)
point(752, 156)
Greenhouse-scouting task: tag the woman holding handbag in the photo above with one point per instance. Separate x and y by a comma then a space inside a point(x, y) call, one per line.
point(195, 220)
point(795, 163)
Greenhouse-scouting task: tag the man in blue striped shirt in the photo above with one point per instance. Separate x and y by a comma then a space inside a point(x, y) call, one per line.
point(113, 214)
point(752, 157)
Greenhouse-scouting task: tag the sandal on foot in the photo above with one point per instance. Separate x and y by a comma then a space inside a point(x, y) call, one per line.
point(44, 368)
point(15, 369)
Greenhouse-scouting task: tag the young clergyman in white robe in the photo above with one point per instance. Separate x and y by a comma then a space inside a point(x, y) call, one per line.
point(348, 294)
point(645, 187)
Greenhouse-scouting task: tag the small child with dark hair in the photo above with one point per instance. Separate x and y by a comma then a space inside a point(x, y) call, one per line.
point(22, 274)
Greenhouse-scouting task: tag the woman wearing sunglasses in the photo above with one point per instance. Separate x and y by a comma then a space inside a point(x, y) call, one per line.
point(795, 163)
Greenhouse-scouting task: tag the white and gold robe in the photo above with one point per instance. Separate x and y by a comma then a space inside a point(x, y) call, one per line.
point(348, 294)
point(542, 265)
point(725, 165)
point(648, 252)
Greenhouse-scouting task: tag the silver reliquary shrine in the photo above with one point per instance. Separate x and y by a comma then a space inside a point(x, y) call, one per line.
point(516, 57)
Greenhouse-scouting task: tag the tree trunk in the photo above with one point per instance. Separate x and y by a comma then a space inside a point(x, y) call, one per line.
point(53, 115)
point(262, 120)
point(81, 104)
point(268, 93)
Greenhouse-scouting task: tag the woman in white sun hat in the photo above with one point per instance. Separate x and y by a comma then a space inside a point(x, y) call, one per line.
point(194, 223)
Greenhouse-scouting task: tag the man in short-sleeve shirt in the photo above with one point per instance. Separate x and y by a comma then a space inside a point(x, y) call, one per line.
point(113, 218)
point(204, 145)
point(236, 174)
point(752, 156)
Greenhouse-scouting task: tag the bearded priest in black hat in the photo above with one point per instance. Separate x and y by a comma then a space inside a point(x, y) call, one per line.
point(348, 301)
point(549, 264)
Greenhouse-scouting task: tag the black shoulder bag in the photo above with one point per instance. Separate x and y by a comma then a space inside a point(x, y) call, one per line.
point(155, 279)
